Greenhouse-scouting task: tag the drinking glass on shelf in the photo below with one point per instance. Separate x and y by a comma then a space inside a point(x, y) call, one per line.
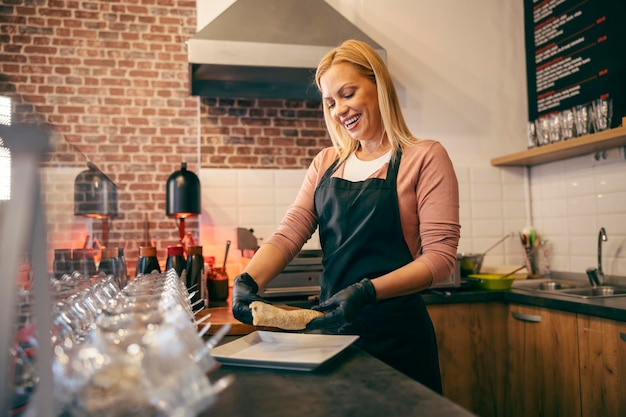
point(555, 127)
point(567, 124)
point(543, 130)
point(602, 113)
point(581, 120)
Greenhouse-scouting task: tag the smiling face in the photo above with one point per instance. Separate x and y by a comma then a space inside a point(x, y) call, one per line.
point(352, 101)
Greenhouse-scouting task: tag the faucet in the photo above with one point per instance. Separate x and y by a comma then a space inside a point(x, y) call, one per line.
point(596, 275)
point(601, 238)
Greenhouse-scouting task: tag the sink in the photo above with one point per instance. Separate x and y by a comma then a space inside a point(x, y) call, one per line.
point(546, 284)
point(597, 292)
point(570, 288)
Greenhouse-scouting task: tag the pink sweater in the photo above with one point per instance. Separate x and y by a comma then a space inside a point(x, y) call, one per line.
point(428, 197)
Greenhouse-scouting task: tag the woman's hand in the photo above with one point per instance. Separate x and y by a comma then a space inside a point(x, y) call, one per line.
point(245, 291)
point(342, 308)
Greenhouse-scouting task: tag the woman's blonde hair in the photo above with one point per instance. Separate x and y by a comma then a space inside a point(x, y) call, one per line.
point(369, 64)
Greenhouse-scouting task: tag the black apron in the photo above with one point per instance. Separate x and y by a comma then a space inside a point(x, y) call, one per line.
point(361, 237)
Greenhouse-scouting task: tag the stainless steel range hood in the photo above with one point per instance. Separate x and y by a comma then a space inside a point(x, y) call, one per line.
point(267, 49)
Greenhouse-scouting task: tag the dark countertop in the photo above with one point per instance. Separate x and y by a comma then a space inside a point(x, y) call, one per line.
point(357, 384)
point(610, 308)
point(613, 308)
point(353, 383)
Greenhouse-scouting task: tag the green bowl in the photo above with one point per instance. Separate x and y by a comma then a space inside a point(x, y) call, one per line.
point(491, 281)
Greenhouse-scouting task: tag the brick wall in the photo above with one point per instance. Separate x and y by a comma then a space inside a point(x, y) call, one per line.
point(261, 133)
point(110, 79)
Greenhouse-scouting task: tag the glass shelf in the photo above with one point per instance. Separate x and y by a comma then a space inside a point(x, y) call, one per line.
point(607, 139)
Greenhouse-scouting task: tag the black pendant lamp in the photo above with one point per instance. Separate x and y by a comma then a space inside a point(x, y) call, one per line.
point(95, 196)
point(182, 196)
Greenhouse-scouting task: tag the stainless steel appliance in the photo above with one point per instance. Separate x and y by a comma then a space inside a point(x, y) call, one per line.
point(301, 277)
point(267, 49)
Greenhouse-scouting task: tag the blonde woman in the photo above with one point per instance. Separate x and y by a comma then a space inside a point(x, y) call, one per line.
point(387, 208)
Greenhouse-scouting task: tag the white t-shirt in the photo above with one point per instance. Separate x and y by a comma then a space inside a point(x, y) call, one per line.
point(357, 170)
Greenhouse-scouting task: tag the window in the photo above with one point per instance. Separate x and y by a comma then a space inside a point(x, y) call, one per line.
point(5, 153)
point(5, 110)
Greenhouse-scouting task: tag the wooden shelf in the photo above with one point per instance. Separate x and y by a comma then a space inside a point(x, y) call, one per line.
point(607, 139)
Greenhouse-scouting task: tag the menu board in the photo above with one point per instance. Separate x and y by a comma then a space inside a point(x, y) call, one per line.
point(575, 53)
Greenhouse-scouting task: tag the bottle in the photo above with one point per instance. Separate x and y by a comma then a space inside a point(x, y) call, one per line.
point(110, 265)
point(123, 268)
point(84, 262)
point(195, 272)
point(148, 261)
point(209, 264)
point(62, 263)
point(176, 259)
point(106, 264)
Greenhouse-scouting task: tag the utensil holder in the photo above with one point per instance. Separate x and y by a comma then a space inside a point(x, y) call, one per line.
point(531, 260)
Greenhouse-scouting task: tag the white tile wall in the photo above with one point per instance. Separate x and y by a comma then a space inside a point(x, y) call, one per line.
point(571, 200)
point(492, 205)
point(568, 202)
point(251, 198)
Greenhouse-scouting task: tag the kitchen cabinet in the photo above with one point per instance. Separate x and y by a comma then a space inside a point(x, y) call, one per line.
point(600, 141)
point(542, 373)
point(471, 338)
point(602, 347)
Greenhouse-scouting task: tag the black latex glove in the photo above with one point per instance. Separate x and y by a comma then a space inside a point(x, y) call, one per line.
point(342, 308)
point(244, 292)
